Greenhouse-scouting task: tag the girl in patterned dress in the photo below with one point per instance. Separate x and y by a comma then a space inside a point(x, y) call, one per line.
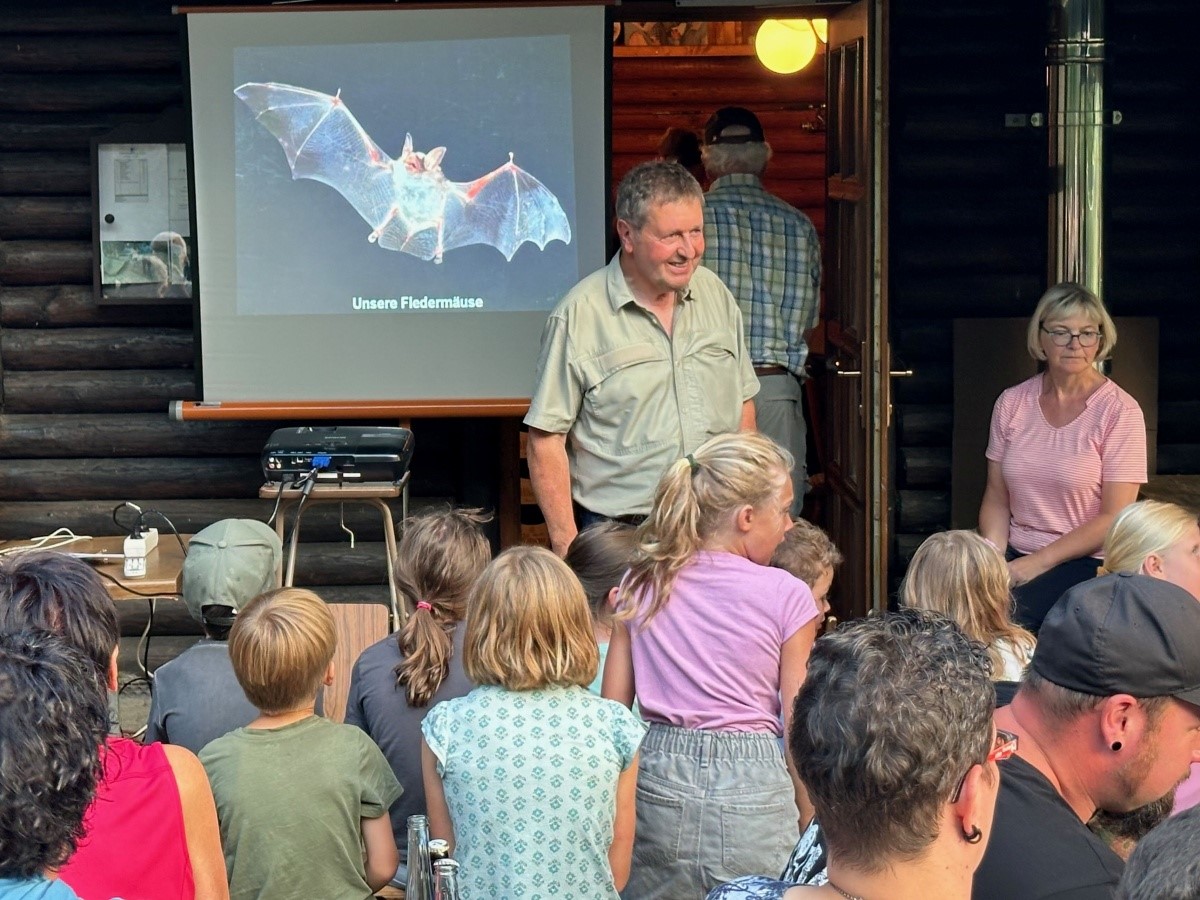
point(531, 777)
point(717, 642)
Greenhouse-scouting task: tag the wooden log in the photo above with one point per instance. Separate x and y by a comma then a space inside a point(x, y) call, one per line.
point(931, 381)
point(905, 546)
point(926, 467)
point(96, 391)
point(46, 262)
point(922, 339)
point(924, 425)
point(69, 305)
point(87, 92)
point(149, 434)
point(30, 349)
point(922, 511)
point(1011, 293)
point(62, 131)
point(92, 52)
point(632, 137)
point(112, 479)
point(45, 173)
point(321, 563)
point(946, 252)
point(45, 217)
point(136, 16)
point(1179, 421)
point(23, 519)
point(1178, 459)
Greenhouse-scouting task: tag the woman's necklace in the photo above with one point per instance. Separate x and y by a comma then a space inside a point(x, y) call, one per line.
point(845, 894)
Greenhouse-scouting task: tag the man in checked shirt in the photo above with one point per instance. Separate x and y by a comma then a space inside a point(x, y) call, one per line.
point(768, 255)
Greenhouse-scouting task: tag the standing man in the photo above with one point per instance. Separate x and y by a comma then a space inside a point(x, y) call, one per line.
point(769, 255)
point(641, 362)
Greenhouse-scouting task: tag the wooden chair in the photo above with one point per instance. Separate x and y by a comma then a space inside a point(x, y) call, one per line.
point(359, 625)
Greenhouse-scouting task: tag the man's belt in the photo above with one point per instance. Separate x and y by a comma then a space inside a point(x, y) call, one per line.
point(771, 370)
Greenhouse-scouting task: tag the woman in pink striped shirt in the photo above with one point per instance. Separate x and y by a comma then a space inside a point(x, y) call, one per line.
point(1066, 453)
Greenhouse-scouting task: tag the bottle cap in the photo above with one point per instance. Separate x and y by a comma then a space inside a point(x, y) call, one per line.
point(438, 849)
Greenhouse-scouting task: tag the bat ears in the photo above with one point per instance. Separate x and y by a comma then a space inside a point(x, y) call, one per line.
point(433, 159)
point(407, 151)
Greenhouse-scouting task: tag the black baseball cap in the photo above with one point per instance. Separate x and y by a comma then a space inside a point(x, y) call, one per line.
point(732, 125)
point(1123, 634)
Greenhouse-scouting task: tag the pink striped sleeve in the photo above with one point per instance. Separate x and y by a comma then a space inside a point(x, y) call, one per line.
point(1123, 451)
point(1001, 415)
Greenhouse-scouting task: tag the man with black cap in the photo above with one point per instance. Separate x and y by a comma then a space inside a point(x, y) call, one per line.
point(768, 254)
point(1108, 717)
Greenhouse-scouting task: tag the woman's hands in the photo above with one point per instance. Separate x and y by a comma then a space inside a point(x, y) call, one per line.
point(1027, 568)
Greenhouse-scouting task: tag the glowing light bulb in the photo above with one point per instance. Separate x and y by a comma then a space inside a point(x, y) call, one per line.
point(785, 45)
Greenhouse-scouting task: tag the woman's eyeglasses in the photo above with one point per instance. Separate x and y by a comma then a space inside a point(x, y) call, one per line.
point(1004, 746)
point(1061, 337)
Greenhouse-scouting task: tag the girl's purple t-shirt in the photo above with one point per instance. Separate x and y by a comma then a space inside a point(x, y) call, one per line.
point(710, 658)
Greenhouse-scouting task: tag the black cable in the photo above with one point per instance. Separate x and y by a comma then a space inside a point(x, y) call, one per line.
point(123, 586)
point(278, 499)
point(170, 524)
point(306, 483)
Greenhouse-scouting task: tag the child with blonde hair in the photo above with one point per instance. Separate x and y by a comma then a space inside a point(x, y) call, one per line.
point(530, 776)
point(808, 553)
point(1154, 538)
point(398, 680)
point(715, 639)
point(599, 555)
point(302, 801)
point(961, 575)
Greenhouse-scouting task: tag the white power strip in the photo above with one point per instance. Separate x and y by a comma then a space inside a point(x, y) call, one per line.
point(136, 550)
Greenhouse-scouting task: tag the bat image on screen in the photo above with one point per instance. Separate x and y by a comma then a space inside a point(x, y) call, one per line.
point(409, 203)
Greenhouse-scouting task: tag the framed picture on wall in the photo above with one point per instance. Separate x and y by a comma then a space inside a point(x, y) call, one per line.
point(682, 39)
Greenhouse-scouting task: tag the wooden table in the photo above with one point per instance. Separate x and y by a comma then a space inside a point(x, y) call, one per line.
point(163, 565)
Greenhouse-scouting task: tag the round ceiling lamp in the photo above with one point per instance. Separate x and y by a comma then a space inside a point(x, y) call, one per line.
point(785, 45)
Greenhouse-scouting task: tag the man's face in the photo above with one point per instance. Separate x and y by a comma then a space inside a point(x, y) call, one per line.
point(665, 251)
point(1164, 759)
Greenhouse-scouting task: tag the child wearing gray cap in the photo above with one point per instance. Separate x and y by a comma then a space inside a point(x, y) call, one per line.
point(196, 696)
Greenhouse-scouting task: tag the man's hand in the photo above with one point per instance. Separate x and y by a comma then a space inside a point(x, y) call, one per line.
point(550, 476)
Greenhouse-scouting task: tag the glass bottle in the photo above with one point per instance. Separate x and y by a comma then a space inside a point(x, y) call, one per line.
point(438, 849)
point(419, 884)
point(445, 879)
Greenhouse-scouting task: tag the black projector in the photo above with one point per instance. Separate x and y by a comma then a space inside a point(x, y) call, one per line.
point(339, 453)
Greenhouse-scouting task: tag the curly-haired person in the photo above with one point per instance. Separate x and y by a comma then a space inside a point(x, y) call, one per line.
point(52, 724)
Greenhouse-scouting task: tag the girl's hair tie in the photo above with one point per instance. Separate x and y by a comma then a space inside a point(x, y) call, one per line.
point(691, 460)
point(425, 605)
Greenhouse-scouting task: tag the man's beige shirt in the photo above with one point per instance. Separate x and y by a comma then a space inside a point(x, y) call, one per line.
point(631, 398)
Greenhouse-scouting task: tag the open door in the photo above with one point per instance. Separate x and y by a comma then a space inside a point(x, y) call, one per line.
point(857, 401)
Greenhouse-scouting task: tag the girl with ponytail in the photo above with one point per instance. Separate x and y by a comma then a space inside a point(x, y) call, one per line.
point(397, 680)
point(717, 643)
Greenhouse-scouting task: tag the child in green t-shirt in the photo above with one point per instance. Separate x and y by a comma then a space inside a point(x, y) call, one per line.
point(302, 802)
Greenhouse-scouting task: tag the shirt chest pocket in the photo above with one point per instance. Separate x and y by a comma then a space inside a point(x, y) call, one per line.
point(616, 379)
point(714, 384)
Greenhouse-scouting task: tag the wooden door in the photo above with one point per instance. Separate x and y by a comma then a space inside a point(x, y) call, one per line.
point(857, 402)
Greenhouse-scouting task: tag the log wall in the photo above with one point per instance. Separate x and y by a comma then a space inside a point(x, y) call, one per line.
point(83, 388)
point(968, 212)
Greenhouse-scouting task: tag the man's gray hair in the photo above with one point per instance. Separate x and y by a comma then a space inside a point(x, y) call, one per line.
point(726, 159)
point(893, 712)
point(1165, 865)
point(653, 184)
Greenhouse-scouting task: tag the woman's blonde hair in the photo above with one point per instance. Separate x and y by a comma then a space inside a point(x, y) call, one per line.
point(1143, 529)
point(599, 556)
point(280, 645)
point(1063, 301)
point(528, 624)
point(962, 576)
point(696, 499)
point(439, 557)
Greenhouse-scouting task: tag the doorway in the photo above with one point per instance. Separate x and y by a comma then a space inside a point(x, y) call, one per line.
point(826, 127)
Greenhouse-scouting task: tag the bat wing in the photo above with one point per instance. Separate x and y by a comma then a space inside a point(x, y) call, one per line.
point(504, 208)
point(323, 141)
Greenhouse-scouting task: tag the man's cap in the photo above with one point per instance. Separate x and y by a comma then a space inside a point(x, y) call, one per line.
point(1123, 634)
point(228, 564)
point(733, 125)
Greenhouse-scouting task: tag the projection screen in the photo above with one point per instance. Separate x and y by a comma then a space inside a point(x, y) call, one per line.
point(388, 203)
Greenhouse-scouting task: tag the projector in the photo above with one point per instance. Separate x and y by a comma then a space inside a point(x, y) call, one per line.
point(350, 453)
